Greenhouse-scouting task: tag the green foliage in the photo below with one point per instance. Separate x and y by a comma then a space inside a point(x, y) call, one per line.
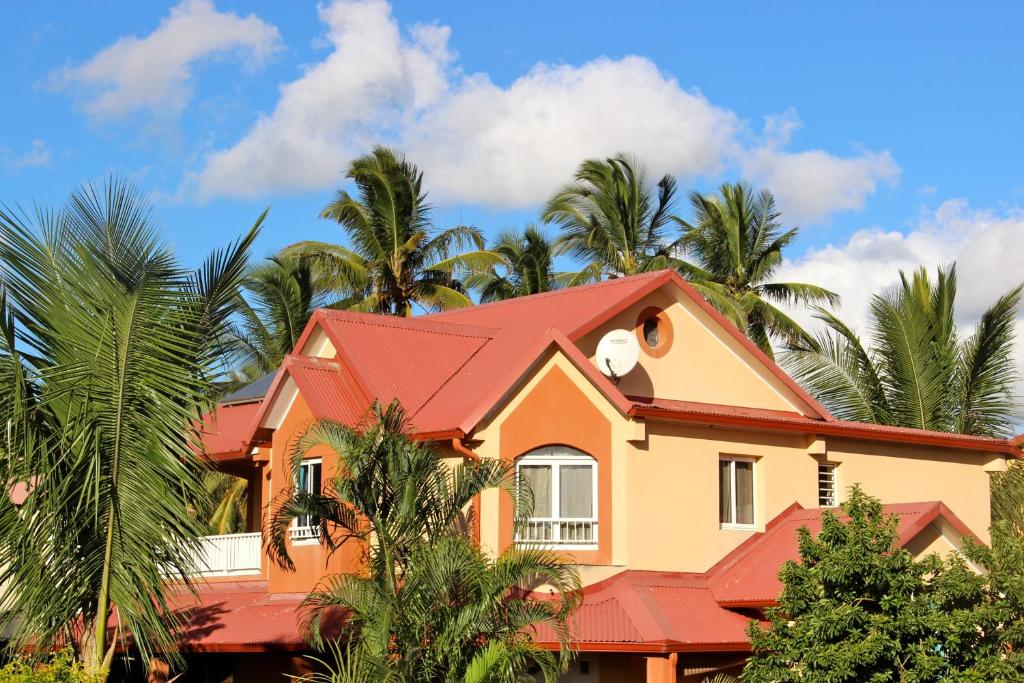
point(612, 219)
point(857, 608)
point(109, 352)
point(397, 258)
point(735, 244)
point(918, 371)
point(527, 266)
point(279, 297)
point(59, 668)
point(223, 509)
point(1008, 497)
point(431, 605)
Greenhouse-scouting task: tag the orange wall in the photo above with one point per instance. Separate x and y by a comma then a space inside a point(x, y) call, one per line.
point(312, 560)
point(556, 412)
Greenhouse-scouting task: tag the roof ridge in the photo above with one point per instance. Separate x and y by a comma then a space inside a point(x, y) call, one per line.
point(551, 293)
point(417, 323)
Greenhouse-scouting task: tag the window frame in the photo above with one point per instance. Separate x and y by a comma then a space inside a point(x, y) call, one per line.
point(738, 526)
point(833, 467)
point(306, 534)
point(556, 457)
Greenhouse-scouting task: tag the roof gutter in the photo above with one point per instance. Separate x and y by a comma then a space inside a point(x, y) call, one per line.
point(822, 428)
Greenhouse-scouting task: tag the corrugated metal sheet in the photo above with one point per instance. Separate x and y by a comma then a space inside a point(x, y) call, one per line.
point(750, 573)
point(329, 393)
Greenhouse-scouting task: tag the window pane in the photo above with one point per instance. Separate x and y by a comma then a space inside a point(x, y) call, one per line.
point(576, 497)
point(744, 492)
point(724, 491)
point(538, 478)
point(314, 477)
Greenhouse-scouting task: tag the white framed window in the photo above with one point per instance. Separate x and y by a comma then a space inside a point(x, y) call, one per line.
point(564, 485)
point(736, 493)
point(827, 486)
point(307, 479)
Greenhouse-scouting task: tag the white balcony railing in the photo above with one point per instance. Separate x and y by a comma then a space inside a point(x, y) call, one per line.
point(230, 554)
point(560, 532)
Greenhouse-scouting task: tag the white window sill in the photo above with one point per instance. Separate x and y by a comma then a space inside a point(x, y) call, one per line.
point(737, 527)
point(540, 545)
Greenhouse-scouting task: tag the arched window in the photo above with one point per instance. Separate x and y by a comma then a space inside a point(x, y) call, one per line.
point(564, 485)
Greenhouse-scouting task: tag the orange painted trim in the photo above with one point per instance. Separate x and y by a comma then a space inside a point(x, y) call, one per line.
point(665, 333)
point(833, 428)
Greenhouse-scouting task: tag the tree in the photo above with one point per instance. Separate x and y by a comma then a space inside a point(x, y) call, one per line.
point(918, 371)
point(527, 266)
point(108, 353)
point(736, 242)
point(397, 259)
point(858, 608)
point(278, 299)
point(612, 219)
point(431, 606)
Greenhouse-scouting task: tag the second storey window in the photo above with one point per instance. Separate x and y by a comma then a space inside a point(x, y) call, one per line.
point(736, 493)
point(827, 485)
point(564, 486)
point(308, 481)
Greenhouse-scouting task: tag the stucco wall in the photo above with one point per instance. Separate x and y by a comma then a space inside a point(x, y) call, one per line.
point(705, 363)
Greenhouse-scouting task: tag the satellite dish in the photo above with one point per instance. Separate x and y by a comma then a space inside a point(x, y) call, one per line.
point(617, 353)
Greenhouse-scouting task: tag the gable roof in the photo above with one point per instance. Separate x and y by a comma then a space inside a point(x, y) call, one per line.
point(748, 576)
point(648, 611)
point(450, 370)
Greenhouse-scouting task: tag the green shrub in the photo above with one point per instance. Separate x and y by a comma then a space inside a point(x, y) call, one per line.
point(58, 668)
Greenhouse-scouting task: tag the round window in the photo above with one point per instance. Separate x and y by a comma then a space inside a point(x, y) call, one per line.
point(654, 331)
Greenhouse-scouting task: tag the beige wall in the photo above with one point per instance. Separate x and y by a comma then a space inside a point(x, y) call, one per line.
point(704, 363)
point(665, 481)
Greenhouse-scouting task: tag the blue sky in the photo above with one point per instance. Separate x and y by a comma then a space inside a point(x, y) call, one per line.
point(890, 132)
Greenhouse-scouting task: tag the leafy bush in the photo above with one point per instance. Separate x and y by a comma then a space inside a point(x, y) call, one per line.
point(59, 668)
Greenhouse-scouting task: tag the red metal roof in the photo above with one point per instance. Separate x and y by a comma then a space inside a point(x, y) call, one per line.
point(242, 617)
point(713, 413)
point(654, 612)
point(639, 611)
point(450, 369)
point(749, 574)
point(225, 431)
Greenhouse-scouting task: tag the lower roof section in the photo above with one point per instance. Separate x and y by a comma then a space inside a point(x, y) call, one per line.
point(632, 611)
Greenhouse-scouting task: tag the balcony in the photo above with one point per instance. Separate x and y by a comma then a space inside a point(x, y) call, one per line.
point(230, 555)
point(565, 533)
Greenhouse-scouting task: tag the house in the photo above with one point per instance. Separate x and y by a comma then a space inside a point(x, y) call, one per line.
point(677, 489)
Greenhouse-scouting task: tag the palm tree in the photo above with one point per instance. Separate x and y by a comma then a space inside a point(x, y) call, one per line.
point(735, 243)
point(227, 497)
point(108, 354)
point(431, 606)
point(612, 219)
point(397, 258)
point(527, 266)
point(279, 297)
point(918, 370)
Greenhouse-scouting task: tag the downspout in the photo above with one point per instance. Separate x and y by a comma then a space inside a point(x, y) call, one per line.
point(459, 447)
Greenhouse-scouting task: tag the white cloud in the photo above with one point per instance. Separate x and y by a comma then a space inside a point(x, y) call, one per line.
point(984, 245)
point(509, 146)
point(37, 156)
point(154, 73)
point(371, 82)
point(811, 185)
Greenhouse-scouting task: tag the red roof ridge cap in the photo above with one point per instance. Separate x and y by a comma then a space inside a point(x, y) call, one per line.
point(734, 556)
point(551, 293)
point(422, 323)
